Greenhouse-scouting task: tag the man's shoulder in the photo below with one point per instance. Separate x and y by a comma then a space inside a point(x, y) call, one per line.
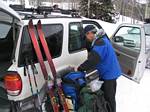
point(99, 42)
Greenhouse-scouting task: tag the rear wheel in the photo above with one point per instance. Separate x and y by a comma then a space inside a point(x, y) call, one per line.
point(15, 107)
point(4, 102)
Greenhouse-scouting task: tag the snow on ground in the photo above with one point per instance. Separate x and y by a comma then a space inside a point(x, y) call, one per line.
point(133, 97)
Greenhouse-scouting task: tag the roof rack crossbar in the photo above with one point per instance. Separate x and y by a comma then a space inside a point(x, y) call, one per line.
point(44, 10)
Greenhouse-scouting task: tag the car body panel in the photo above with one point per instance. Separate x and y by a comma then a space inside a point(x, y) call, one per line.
point(64, 61)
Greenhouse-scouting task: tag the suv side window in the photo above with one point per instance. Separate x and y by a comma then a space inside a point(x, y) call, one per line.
point(4, 30)
point(54, 37)
point(75, 37)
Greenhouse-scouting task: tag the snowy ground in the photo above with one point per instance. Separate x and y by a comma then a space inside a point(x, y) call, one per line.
point(133, 97)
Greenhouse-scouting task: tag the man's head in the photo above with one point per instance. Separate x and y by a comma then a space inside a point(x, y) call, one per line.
point(90, 32)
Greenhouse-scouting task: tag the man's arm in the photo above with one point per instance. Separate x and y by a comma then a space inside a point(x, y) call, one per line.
point(91, 62)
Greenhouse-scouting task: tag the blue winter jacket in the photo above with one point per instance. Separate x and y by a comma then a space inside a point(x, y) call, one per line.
point(103, 58)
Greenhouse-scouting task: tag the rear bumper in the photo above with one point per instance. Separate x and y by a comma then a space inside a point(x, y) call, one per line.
point(32, 102)
point(29, 103)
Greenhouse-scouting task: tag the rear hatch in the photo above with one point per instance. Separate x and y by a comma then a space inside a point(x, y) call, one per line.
point(9, 30)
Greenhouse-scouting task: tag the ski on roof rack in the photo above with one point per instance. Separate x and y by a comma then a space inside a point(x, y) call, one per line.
point(46, 11)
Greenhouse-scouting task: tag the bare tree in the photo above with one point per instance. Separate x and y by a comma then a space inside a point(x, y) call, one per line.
point(147, 10)
point(38, 2)
point(22, 2)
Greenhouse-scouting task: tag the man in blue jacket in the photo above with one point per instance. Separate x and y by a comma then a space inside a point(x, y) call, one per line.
point(103, 58)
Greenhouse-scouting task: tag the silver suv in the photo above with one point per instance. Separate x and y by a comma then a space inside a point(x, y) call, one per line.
point(65, 38)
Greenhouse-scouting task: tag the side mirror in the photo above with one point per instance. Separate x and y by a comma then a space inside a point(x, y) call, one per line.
point(118, 39)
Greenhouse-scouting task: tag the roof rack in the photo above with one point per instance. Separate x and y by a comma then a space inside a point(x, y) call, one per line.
point(17, 7)
point(45, 11)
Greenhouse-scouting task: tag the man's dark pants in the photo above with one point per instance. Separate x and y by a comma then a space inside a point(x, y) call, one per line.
point(109, 89)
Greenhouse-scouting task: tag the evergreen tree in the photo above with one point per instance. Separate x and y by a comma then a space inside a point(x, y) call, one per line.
point(99, 9)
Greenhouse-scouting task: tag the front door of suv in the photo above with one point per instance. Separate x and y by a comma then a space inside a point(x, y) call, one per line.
point(129, 44)
point(77, 52)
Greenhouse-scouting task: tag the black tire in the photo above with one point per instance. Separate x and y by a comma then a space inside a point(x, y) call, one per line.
point(4, 102)
point(15, 107)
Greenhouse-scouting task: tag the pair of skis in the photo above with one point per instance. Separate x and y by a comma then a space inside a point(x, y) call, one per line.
point(54, 81)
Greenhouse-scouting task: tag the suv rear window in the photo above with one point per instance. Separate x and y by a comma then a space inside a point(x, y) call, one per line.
point(8, 40)
point(4, 30)
point(5, 17)
point(54, 37)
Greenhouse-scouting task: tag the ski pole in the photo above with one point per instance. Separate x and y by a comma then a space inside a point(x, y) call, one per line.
point(37, 90)
point(29, 77)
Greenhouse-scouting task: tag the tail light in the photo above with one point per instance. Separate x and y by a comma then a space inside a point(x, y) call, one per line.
point(13, 83)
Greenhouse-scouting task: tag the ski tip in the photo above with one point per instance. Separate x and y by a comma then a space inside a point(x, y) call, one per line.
point(30, 22)
point(39, 24)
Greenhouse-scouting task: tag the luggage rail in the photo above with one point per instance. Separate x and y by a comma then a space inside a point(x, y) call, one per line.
point(45, 11)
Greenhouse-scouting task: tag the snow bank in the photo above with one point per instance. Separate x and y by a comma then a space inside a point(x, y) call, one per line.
point(133, 97)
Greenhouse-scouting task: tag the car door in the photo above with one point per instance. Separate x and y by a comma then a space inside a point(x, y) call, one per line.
point(77, 54)
point(129, 44)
